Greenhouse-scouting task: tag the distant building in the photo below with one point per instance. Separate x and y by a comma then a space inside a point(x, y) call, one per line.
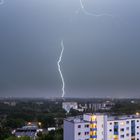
point(107, 105)
point(97, 106)
point(81, 108)
point(40, 103)
point(51, 129)
point(30, 131)
point(102, 127)
point(67, 106)
point(10, 103)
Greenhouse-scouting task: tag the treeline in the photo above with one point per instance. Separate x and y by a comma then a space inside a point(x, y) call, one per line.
point(49, 113)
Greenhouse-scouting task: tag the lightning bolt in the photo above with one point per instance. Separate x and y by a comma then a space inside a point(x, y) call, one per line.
point(59, 69)
point(91, 14)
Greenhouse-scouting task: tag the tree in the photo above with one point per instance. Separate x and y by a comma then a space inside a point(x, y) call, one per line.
point(16, 138)
point(52, 135)
point(4, 133)
point(14, 123)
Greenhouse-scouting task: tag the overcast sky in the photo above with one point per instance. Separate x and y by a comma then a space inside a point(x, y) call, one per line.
point(101, 56)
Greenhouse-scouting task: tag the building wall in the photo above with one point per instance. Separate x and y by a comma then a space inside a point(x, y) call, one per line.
point(81, 131)
point(137, 127)
point(68, 130)
point(98, 123)
point(124, 128)
point(100, 127)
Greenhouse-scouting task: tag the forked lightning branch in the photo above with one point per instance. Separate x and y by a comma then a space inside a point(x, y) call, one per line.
point(59, 68)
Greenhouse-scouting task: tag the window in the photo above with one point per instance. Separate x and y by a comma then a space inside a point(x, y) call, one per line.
point(86, 133)
point(127, 134)
point(102, 132)
point(79, 133)
point(127, 128)
point(122, 129)
point(86, 126)
point(79, 126)
point(127, 122)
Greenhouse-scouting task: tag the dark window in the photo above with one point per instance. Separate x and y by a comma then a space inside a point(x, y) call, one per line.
point(127, 128)
point(127, 122)
point(79, 126)
point(127, 134)
point(87, 126)
point(79, 133)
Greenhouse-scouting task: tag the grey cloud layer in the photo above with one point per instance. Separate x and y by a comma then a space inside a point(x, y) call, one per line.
point(101, 54)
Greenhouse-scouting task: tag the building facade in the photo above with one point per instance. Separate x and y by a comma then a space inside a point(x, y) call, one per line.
point(67, 106)
point(102, 127)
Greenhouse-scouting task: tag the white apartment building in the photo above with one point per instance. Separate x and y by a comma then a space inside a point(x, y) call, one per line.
point(102, 127)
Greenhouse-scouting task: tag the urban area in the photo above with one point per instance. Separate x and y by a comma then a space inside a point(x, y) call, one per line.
point(69, 119)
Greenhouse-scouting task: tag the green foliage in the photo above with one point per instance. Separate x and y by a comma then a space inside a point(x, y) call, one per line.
point(47, 120)
point(4, 133)
point(74, 112)
point(127, 108)
point(52, 135)
point(14, 123)
point(21, 138)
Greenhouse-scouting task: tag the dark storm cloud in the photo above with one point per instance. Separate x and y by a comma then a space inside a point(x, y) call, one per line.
point(101, 54)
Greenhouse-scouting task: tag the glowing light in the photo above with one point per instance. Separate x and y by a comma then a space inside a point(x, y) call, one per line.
point(59, 69)
point(137, 113)
point(115, 136)
point(93, 118)
point(122, 123)
point(39, 123)
point(29, 123)
point(91, 14)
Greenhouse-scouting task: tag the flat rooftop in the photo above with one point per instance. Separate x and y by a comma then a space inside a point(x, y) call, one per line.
point(124, 117)
point(79, 119)
point(76, 119)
